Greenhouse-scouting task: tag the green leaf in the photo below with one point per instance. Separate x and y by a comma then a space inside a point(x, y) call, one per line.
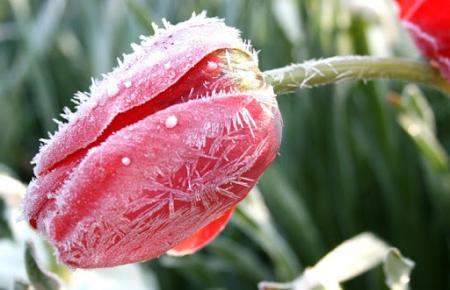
point(417, 119)
point(397, 270)
point(254, 219)
point(140, 13)
point(39, 279)
point(21, 285)
point(292, 214)
point(5, 230)
point(240, 258)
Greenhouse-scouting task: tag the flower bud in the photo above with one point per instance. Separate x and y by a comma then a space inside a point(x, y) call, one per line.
point(159, 152)
point(429, 24)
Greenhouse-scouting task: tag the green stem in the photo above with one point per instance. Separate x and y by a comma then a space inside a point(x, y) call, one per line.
point(332, 70)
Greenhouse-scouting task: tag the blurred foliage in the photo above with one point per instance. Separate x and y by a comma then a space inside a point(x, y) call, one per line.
point(5, 231)
point(345, 166)
point(38, 278)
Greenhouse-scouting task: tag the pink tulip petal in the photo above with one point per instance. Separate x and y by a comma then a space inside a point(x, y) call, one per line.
point(202, 237)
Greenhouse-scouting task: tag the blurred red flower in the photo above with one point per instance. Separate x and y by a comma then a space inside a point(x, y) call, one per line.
point(159, 152)
point(428, 21)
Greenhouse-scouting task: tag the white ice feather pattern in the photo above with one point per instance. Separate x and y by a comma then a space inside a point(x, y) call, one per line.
point(200, 188)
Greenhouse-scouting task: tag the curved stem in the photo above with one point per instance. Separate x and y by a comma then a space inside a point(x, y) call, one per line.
point(332, 70)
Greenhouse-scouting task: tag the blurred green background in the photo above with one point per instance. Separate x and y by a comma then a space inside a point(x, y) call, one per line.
point(346, 164)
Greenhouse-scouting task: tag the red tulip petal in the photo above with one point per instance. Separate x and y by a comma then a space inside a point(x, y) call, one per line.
point(45, 188)
point(154, 66)
point(190, 86)
point(177, 171)
point(164, 148)
point(428, 21)
point(202, 237)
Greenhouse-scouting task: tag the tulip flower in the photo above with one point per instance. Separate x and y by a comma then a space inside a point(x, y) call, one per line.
point(159, 152)
point(428, 22)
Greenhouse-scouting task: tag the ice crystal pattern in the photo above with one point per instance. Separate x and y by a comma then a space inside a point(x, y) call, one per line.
point(159, 152)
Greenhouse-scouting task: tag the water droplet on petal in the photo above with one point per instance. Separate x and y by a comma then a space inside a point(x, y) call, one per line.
point(171, 121)
point(211, 66)
point(127, 84)
point(126, 161)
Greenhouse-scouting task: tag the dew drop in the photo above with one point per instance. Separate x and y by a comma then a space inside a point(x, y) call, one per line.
point(127, 84)
point(211, 66)
point(126, 161)
point(167, 65)
point(171, 121)
point(112, 88)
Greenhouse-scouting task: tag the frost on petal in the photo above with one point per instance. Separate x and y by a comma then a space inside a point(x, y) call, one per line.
point(199, 82)
point(444, 65)
point(43, 189)
point(142, 75)
point(202, 237)
point(178, 180)
point(429, 24)
point(158, 152)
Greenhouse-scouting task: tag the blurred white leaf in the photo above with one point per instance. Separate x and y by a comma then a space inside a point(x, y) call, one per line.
point(39, 278)
point(397, 270)
point(417, 119)
point(12, 262)
point(11, 190)
point(286, 14)
point(128, 276)
point(348, 260)
point(384, 30)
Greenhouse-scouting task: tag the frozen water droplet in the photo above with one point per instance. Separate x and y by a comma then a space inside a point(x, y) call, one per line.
point(212, 66)
point(127, 84)
point(112, 88)
point(167, 65)
point(171, 121)
point(126, 161)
